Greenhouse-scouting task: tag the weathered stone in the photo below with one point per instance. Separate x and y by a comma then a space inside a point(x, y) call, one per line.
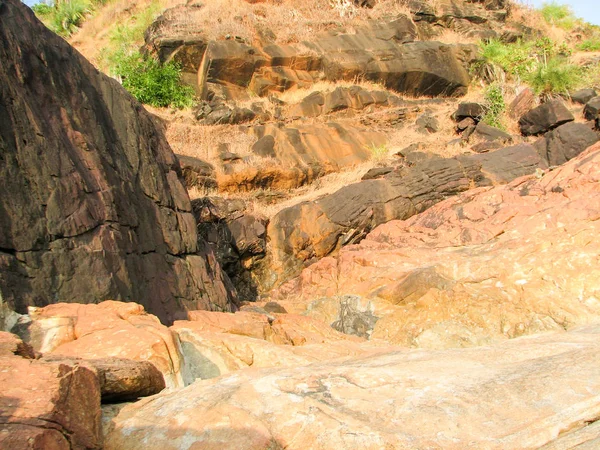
point(465, 123)
point(582, 96)
point(592, 108)
point(309, 231)
point(522, 103)
point(120, 380)
point(474, 111)
point(10, 345)
point(478, 266)
point(566, 142)
point(237, 239)
point(88, 213)
point(489, 133)
point(107, 330)
point(545, 118)
point(388, 399)
point(48, 406)
point(427, 123)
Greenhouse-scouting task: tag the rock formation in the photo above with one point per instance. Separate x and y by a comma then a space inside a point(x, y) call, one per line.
point(92, 206)
point(487, 264)
point(525, 393)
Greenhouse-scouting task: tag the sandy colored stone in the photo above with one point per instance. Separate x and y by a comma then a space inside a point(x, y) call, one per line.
point(523, 393)
point(242, 323)
point(109, 329)
point(10, 345)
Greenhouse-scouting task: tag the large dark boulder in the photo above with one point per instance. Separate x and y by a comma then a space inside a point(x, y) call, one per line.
point(583, 96)
point(92, 206)
point(565, 142)
point(545, 118)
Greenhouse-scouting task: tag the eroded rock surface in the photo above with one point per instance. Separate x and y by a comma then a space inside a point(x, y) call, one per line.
point(107, 330)
point(92, 205)
point(487, 264)
point(524, 393)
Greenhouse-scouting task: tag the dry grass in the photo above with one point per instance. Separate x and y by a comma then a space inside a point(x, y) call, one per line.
point(187, 137)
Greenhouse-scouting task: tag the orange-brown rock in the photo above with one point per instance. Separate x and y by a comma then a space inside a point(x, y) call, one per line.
point(490, 263)
point(10, 345)
point(308, 231)
point(120, 380)
point(109, 329)
point(524, 393)
point(48, 406)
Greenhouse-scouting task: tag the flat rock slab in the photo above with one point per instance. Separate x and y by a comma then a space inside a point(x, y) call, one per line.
point(523, 393)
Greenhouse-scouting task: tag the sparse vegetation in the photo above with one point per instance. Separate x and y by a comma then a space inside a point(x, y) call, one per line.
point(379, 152)
point(554, 76)
point(542, 64)
point(495, 106)
point(559, 15)
point(65, 17)
point(589, 45)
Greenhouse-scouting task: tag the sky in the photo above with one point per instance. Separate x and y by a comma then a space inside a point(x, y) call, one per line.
point(588, 10)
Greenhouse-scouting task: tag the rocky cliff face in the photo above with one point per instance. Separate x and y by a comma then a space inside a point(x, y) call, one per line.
point(91, 202)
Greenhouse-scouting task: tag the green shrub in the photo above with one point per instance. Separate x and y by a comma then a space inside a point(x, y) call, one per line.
point(153, 83)
point(69, 15)
point(559, 15)
point(515, 59)
point(589, 45)
point(42, 9)
point(495, 106)
point(554, 76)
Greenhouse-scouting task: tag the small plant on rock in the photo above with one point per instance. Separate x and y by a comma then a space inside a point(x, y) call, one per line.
point(495, 106)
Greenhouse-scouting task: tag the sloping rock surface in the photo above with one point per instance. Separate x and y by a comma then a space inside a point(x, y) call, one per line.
point(524, 394)
point(487, 264)
point(91, 201)
point(306, 232)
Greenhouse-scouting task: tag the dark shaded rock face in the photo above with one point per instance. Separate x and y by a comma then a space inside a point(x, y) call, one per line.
point(92, 206)
point(544, 118)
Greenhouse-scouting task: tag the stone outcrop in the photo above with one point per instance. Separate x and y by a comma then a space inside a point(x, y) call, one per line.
point(304, 233)
point(524, 393)
point(487, 264)
point(92, 206)
point(545, 118)
point(107, 330)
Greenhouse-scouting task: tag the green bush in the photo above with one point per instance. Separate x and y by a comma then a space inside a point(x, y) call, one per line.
point(559, 15)
point(69, 15)
point(495, 106)
point(42, 9)
point(554, 76)
point(153, 83)
point(515, 59)
point(589, 45)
